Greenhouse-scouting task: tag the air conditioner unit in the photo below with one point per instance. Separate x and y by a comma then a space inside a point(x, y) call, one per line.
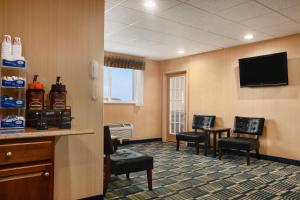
point(123, 130)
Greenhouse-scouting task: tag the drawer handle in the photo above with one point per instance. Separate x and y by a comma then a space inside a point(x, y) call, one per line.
point(8, 154)
point(46, 174)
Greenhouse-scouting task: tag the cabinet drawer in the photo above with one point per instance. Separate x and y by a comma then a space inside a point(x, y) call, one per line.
point(34, 182)
point(25, 151)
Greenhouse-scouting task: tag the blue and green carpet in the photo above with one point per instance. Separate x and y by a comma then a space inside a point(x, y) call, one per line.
point(183, 175)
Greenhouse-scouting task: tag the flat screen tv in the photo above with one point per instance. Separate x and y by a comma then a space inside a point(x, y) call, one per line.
point(266, 70)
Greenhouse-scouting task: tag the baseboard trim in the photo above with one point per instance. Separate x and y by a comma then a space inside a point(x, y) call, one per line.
point(141, 141)
point(271, 158)
point(262, 156)
point(281, 160)
point(97, 197)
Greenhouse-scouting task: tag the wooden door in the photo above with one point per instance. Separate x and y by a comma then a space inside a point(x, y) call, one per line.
point(31, 182)
point(176, 105)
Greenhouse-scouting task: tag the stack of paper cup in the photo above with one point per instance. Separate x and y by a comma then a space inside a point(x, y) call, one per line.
point(17, 48)
point(6, 47)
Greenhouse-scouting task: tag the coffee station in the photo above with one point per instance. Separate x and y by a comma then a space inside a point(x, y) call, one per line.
point(31, 120)
point(57, 114)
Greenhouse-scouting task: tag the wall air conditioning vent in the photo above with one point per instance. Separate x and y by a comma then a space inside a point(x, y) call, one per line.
point(123, 130)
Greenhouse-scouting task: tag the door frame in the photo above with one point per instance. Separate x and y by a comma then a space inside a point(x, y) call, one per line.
point(169, 137)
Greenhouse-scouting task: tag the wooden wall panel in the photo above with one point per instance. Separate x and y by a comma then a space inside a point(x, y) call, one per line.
point(61, 37)
point(213, 80)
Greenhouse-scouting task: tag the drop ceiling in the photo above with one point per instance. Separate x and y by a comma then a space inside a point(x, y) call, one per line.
point(195, 26)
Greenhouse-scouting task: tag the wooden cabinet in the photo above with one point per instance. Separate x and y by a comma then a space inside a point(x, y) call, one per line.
point(26, 169)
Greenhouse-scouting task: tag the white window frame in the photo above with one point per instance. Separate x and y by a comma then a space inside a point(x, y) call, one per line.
point(109, 100)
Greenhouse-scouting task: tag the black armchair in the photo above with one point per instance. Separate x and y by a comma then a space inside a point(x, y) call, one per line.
point(124, 161)
point(244, 125)
point(197, 136)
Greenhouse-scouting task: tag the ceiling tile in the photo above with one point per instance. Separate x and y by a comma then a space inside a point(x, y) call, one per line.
point(284, 29)
point(190, 15)
point(145, 43)
point(122, 48)
point(124, 15)
point(229, 29)
point(213, 39)
point(149, 52)
point(194, 25)
point(279, 4)
point(108, 6)
point(112, 27)
point(293, 12)
point(215, 6)
point(156, 36)
point(165, 26)
point(124, 35)
point(270, 19)
point(160, 5)
point(244, 11)
point(114, 2)
point(161, 38)
point(236, 32)
point(178, 30)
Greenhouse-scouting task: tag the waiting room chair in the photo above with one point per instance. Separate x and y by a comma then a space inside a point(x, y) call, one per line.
point(124, 161)
point(197, 136)
point(244, 125)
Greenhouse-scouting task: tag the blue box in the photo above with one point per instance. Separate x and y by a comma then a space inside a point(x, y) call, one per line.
point(11, 103)
point(12, 123)
point(14, 63)
point(14, 83)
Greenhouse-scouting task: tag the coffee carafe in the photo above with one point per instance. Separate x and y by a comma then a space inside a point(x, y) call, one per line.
point(58, 95)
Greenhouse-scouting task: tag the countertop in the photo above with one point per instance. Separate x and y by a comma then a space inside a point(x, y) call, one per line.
point(32, 133)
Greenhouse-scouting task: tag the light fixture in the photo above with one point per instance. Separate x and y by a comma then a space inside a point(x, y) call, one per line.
point(248, 36)
point(180, 51)
point(149, 4)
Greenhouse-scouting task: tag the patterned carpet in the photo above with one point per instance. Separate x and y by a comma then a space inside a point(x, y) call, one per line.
point(184, 175)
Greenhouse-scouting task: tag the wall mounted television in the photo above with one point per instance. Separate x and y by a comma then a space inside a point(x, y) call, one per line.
point(266, 70)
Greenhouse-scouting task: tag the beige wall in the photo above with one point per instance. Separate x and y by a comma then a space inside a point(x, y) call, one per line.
point(213, 80)
point(60, 37)
point(146, 119)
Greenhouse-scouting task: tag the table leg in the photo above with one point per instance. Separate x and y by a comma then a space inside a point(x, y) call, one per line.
point(208, 142)
point(115, 144)
point(228, 133)
point(215, 144)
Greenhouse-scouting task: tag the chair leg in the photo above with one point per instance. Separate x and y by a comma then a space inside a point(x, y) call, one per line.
point(220, 153)
point(257, 154)
point(177, 145)
point(149, 178)
point(127, 175)
point(205, 147)
point(107, 173)
point(248, 157)
point(197, 148)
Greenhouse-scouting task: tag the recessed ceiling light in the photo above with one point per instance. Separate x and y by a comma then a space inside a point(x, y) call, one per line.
point(248, 36)
point(180, 51)
point(149, 4)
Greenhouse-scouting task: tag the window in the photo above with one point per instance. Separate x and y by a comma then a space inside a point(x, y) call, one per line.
point(122, 85)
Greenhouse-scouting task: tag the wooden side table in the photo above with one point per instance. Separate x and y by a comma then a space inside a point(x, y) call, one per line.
point(215, 131)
